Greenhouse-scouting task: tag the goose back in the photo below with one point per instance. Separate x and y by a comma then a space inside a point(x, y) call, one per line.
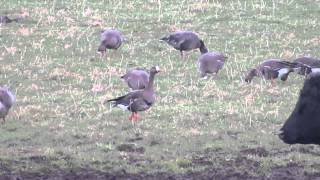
point(138, 100)
point(185, 41)
point(307, 64)
point(5, 19)
point(211, 62)
point(6, 101)
point(137, 78)
point(110, 39)
point(272, 69)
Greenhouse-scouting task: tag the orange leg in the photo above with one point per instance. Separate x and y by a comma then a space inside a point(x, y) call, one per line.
point(131, 118)
point(103, 54)
point(137, 116)
point(273, 82)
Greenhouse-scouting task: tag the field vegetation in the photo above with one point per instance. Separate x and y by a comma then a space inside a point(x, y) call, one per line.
point(221, 127)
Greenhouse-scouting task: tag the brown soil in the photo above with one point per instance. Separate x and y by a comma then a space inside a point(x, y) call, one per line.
point(294, 172)
point(239, 167)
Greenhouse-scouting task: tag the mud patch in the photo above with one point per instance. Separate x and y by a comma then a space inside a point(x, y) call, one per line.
point(12, 129)
point(292, 171)
point(233, 135)
point(259, 151)
point(38, 159)
point(308, 150)
point(134, 139)
point(154, 142)
point(130, 148)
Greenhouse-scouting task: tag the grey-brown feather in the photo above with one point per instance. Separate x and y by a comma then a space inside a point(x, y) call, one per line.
point(6, 101)
point(306, 64)
point(211, 62)
point(137, 78)
point(185, 41)
point(138, 100)
point(110, 39)
point(269, 69)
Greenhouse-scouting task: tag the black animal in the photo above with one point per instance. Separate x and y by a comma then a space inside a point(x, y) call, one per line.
point(303, 125)
point(185, 41)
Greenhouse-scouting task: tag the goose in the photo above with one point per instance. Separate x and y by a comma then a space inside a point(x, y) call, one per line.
point(308, 65)
point(271, 69)
point(210, 62)
point(185, 41)
point(6, 19)
point(139, 100)
point(137, 78)
point(110, 39)
point(6, 101)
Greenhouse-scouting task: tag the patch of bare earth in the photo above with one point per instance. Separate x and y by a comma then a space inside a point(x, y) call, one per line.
point(294, 172)
point(238, 168)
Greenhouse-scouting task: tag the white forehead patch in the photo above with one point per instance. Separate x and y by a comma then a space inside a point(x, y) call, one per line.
point(283, 71)
point(12, 97)
point(123, 107)
point(157, 68)
point(315, 70)
point(1, 106)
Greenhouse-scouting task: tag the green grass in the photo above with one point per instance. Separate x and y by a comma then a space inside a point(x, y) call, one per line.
point(50, 61)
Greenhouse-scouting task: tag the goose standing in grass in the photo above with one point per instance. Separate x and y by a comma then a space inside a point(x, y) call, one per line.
point(271, 69)
point(185, 41)
point(6, 19)
point(6, 101)
point(110, 39)
point(308, 65)
point(210, 62)
point(139, 100)
point(137, 78)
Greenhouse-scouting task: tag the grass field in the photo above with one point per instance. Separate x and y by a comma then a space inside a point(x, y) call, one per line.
point(220, 126)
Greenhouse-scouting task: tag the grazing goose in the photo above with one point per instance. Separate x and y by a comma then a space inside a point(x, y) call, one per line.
point(185, 41)
point(137, 78)
point(6, 101)
point(308, 65)
point(110, 39)
point(139, 100)
point(211, 62)
point(6, 19)
point(271, 69)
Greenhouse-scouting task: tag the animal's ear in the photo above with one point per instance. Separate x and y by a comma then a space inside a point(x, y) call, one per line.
point(166, 38)
point(250, 75)
point(253, 72)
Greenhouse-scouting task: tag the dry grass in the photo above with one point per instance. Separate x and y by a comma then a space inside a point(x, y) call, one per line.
point(50, 61)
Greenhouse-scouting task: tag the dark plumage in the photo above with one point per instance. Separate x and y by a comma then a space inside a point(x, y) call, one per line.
point(6, 101)
point(185, 41)
point(139, 100)
point(137, 78)
point(308, 65)
point(271, 69)
point(6, 19)
point(211, 62)
point(303, 125)
point(110, 39)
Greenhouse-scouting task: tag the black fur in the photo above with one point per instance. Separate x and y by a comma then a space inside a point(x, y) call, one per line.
point(303, 125)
